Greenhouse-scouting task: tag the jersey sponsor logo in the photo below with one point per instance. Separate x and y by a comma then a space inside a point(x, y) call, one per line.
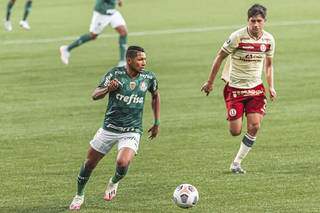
point(143, 86)
point(132, 99)
point(232, 112)
point(132, 85)
point(254, 47)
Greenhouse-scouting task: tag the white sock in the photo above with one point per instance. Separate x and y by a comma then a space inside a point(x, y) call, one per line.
point(244, 149)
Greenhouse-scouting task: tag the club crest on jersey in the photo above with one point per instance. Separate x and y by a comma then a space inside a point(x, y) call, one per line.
point(132, 85)
point(143, 86)
point(263, 48)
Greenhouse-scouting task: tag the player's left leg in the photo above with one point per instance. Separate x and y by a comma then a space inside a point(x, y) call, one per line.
point(27, 9)
point(118, 23)
point(128, 146)
point(125, 156)
point(7, 22)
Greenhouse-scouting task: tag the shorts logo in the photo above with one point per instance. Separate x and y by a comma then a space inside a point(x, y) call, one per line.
point(263, 48)
point(232, 112)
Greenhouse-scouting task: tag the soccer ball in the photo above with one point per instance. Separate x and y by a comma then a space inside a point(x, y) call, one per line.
point(185, 195)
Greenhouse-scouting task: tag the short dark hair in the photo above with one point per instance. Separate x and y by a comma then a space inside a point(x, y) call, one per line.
point(257, 9)
point(133, 50)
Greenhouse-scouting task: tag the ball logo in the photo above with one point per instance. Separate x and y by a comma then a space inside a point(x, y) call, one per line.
point(263, 48)
point(232, 112)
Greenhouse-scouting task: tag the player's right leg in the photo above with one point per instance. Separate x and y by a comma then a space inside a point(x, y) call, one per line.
point(98, 23)
point(7, 22)
point(27, 8)
point(93, 158)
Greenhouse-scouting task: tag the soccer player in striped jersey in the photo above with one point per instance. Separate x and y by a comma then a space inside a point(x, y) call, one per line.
point(249, 51)
point(104, 14)
point(23, 23)
point(127, 87)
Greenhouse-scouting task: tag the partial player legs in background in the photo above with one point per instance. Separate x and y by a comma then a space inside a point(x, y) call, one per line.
point(7, 22)
point(123, 40)
point(27, 8)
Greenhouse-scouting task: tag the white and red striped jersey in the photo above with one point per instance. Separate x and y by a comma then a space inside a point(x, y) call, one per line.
point(245, 63)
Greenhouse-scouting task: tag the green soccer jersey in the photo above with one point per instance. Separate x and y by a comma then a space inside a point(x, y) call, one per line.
point(125, 106)
point(105, 7)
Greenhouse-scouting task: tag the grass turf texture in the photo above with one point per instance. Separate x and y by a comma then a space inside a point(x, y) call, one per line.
point(47, 117)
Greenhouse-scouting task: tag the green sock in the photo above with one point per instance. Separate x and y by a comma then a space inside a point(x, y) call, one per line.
point(82, 179)
point(27, 9)
point(9, 9)
point(122, 47)
point(83, 39)
point(120, 173)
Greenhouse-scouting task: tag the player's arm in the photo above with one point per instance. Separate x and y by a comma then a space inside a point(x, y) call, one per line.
point(208, 86)
point(155, 105)
point(100, 92)
point(269, 77)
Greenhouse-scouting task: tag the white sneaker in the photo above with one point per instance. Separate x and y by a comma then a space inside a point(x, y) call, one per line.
point(122, 63)
point(76, 202)
point(64, 54)
point(236, 168)
point(111, 190)
point(25, 25)
point(7, 25)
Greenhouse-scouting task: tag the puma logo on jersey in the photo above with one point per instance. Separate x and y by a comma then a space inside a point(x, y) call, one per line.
point(135, 99)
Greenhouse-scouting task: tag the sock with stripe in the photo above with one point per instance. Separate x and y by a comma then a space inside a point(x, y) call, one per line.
point(119, 174)
point(245, 147)
point(83, 39)
point(82, 179)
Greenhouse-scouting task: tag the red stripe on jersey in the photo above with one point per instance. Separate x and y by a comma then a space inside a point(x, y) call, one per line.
point(254, 47)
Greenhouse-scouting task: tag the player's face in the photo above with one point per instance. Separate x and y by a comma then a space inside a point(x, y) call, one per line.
point(256, 24)
point(139, 62)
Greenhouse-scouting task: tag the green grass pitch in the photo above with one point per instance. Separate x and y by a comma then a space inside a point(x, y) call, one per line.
point(47, 116)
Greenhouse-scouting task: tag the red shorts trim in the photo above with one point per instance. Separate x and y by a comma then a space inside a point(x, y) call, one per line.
point(239, 101)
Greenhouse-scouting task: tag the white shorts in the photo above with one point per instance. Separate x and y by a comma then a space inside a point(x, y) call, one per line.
point(100, 21)
point(104, 140)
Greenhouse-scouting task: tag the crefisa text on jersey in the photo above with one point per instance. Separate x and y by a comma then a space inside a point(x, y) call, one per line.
point(135, 99)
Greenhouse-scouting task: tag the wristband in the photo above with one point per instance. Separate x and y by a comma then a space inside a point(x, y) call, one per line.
point(156, 122)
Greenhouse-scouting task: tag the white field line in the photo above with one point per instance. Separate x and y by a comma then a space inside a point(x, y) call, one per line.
point(162, 32)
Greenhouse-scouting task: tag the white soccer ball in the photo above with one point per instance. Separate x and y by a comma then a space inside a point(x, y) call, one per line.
point(185, 195)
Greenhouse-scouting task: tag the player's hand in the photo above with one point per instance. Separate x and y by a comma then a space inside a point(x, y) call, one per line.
point(273, 94)
point(113, 85)
point(120, 3)
point(154, 130)
point(207, 87)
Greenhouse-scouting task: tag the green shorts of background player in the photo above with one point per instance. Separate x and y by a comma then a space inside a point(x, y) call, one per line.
point(104, 14)
point(23, 23)
point(126, 87)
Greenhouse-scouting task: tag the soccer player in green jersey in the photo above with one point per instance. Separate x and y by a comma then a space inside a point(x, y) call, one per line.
point(104, 13)
point(23, 23)
point(127, 87)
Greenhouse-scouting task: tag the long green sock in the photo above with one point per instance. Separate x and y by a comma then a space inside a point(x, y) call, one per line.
point(83, 39)
point(119, 174)
point(122, 47)
point(27, 9)
point(82, 179)
point(9, 9)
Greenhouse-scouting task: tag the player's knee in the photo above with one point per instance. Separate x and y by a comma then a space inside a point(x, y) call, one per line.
point(123, 162)
point(235, 132)
point(253, 128)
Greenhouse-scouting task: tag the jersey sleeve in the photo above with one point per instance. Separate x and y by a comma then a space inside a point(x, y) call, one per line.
point(106, 79)
point(153, 87)
point(230, 44)
point(270, 52)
